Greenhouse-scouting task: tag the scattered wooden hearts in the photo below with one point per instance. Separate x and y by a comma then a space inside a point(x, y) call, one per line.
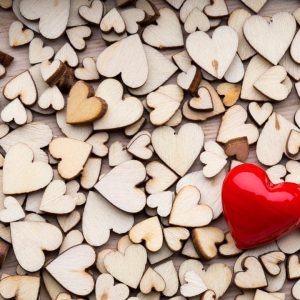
point(271, 261)
point(73, 155)
point(139, 146)
point(78, 35)
point(206, 53)
point(120, 113)
point(92, 13)
point(20, 287)
point(214, 159)
point(52, 97)
point(161, 177)
point(55, 201)
point(150, 231)
point(96, 229)
point(264, 35)
point(188, 144)
point(69, 269)
point(105, 288)
point(22, 87)
point(82, 106)
point(293, 143)
point(12, 211)
point(205, 240)
point(119, 186)
point(293, 267)
point(167, 33)
point(233, 126)
point(238, 148)
point(66, 54)
point(271, 83)
point(151, 281)
point(29, 247)
point(88, 71)
point(194, 285)
point(53, 16)
point(134, 259)
point(260, 114)
point(203, 102)
point(276, 132)
point(14, 111)
point(18, 36)
point(20, 174)
point(187, 211)
point(127, 57)
point(253, 275)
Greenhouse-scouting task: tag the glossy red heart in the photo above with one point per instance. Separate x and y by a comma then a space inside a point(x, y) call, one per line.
point(256, 210)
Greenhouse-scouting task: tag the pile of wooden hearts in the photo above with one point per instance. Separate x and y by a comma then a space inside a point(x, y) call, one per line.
point(94, 172)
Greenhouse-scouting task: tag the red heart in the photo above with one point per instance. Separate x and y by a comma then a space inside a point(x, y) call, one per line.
point(258, 211)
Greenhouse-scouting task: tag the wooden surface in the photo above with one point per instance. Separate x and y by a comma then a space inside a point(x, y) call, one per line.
point(94, 46)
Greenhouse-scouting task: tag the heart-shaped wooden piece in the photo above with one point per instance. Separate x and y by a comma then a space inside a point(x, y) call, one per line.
point(208, 54)
point(119, 186)
point(30, 239)
point(69, 269)
point(83, 106)
point(261, 204)
point(20, 174)
point(12, 210)
point(127, 57)
point(38, 53)
point(100, 217)
point(18, 36)
point(14, 111)
point(178, 151)
point(92, 13)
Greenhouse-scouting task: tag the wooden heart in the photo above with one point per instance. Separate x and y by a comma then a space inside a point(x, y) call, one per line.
point(196, 20)
point(127, 57)
point(119, 186)
point(22, 87)
point(52, 97)
point(163, 201)
point(69, 269)
point(152, 280)
point(18, 36)
point(270, 38)
point(175, 236)
point(233, 126)
point(112, 21)
point(38, 53)
point(167, 33)
point(194, 285)
point(105, 288)
point(231, 93)
point(255, 6)
point(88, 71)
point(132, 18)
point(78, 35)
point(55, 201)
point(18, 286)
point(140, 145)
point(21, 174)
point(73, 155)
point(82, 106)
point(150, 231)
point(67, 54)
point(205, 51)
point(53, 15)
point(293, 143)
point(134, 259)
point(92, 13)
point(29, 247)
point(260, 114)
point(100, 217)
point(12, 210)
point(52, 72)
point(178, 151)
point(14, 111)
point(187, 211)
point(118, 154)
point(120, 112)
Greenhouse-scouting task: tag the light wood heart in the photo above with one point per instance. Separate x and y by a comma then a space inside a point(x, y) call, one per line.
point(12, 210)
point(132, 18)
point(209, 54)
point(78, 35)
point(88, 71)
point(126, 57)
point(83, 106)
point(120, 112)
point(270, 38)
point(73, 155)
point(53, 15)
point(100, 217)
point(14, 111)
point(30, 239)
point(38, 53)
point(134, 259)
point(119, 186)
point(21, 174)
point(260, 114)
point(256, 6)
point(18, 36)
point(69, 269)
point(52, 97)
point(92, 13)
point(178, 151)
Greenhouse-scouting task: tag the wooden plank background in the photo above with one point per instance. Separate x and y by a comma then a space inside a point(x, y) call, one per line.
point(94, 46)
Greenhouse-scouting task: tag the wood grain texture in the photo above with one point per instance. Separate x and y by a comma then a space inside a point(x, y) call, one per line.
point(94, 46)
